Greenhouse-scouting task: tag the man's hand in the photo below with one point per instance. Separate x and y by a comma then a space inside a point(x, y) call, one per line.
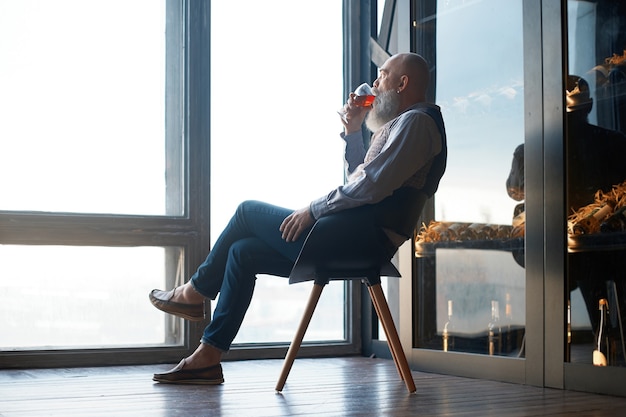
point(354, 116)
point(295, 224)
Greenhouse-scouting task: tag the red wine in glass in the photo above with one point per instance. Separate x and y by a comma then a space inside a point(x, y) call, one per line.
point(364, 98)
point(364, 95)
point(364, 101)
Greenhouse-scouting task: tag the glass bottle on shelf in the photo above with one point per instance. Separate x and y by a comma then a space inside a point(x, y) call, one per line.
point(569, 322)
point(508, 324)
point(448, 330)
point(602, 352)
point(494, 329)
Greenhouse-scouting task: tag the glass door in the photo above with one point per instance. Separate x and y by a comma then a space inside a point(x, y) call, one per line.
point(595, 146)
point(470, 267)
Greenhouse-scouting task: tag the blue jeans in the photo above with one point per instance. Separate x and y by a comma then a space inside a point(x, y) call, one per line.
point(250, 244)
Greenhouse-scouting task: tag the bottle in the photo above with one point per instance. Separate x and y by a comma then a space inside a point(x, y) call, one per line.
point(569, 332)
point(494, 331)
point(616, 221)
point(448, 328)
point(508, 324)
point(602, 353)
point(591, 223)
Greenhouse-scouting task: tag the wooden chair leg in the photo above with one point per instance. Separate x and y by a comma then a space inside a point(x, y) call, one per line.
point(393, 352)
point(316, 292)
point(382, 309)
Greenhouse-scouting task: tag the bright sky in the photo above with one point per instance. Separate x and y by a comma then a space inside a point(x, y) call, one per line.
point(81, 106)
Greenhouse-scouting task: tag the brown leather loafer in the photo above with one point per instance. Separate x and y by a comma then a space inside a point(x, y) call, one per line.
point(161, 300)
point(204, 376)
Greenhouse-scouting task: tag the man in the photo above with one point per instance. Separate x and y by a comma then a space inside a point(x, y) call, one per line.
point(595, 155)
point(390, 183)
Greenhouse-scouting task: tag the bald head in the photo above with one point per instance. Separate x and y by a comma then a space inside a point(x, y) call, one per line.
point(416, 68)
point(408, 75)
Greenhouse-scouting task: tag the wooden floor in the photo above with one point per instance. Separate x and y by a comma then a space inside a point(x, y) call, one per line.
point(353, 386)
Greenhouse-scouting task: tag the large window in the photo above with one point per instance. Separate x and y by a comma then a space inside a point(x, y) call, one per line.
point(109, 152)
point(93, 173)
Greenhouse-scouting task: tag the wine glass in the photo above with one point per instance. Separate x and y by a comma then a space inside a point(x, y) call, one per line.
point(364, 98)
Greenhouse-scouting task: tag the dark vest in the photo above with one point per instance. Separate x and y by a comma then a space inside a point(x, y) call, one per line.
point(400, 211)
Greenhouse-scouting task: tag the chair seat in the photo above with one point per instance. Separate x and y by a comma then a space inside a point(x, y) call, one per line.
point(343, 246)
point(309, 271)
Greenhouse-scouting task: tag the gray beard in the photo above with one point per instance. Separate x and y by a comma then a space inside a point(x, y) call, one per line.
point(386, 109)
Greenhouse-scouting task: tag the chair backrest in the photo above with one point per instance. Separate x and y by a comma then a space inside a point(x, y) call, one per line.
point(346, 245)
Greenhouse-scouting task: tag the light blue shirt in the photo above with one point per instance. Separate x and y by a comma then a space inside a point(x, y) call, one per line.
point(414, 139)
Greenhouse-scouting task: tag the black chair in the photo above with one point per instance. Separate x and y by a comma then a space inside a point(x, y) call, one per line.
point(346, 246)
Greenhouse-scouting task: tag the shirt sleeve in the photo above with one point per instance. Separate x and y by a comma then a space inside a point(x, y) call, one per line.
point(413, 140)
point(355, 151)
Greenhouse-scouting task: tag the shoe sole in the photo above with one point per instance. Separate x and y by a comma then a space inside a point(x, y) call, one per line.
point(181, 315)
point(190, 381)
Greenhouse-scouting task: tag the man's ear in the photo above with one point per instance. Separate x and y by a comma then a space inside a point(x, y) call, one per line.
point(404, 81)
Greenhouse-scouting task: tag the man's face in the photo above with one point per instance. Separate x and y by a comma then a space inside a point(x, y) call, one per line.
point(387, 76)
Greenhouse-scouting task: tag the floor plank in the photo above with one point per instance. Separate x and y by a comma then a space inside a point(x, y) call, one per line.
point(352, 386)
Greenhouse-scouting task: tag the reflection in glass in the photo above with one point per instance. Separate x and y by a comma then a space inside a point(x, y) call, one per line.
point(595, 145)
point(470, 278)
